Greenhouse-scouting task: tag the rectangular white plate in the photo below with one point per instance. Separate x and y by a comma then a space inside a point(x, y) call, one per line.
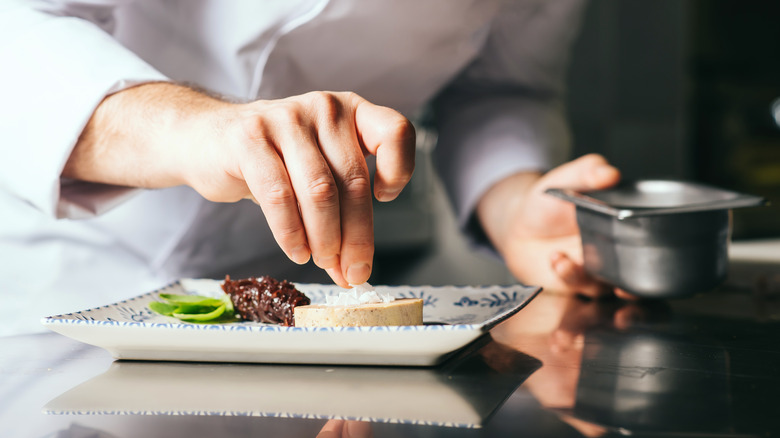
point(129, 330)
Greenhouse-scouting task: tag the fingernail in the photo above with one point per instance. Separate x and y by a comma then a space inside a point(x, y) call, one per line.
point(300, 254)
point(385, 196)
point(358, 273)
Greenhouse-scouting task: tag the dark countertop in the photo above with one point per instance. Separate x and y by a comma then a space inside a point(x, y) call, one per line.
point(707, 366)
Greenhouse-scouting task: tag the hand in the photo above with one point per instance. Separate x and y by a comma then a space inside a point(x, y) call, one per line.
point(302, 159)
point(346, 429)
point(537, 234)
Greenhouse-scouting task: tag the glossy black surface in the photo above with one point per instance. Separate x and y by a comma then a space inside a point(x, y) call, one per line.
point(706, 366)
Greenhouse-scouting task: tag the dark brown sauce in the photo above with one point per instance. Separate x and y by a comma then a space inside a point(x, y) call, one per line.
point(265, 299)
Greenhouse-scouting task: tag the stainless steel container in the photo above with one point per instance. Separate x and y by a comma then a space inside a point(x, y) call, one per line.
point(657, 238)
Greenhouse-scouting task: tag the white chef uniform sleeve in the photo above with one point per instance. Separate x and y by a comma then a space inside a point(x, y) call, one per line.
point(59, 62)
point(504, 113)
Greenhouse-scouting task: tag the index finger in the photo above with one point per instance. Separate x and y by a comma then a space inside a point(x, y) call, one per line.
point(389, 136)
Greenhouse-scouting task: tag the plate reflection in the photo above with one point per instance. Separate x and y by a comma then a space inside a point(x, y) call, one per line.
point(463, 392)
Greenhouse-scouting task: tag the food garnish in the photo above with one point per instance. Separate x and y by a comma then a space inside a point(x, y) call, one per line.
point(259, 299)
point(195, 308)
point(265, 299)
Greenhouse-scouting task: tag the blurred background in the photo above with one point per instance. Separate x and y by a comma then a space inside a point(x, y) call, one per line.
point(683, 89)
point(668, 88)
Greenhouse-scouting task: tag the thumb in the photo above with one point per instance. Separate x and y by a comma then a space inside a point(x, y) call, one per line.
point(589, 172)
point(552, 216)
point(390, 136)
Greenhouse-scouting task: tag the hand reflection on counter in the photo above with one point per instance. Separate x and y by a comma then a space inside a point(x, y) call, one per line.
point(346, 429)
point(553, 329)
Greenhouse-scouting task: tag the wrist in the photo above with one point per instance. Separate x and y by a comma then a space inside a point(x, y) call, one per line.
point(189, 124)
point(502, 204)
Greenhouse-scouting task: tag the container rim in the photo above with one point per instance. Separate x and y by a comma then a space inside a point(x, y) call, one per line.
point(719, 199)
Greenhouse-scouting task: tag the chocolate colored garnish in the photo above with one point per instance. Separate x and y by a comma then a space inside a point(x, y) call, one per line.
point(265, 299)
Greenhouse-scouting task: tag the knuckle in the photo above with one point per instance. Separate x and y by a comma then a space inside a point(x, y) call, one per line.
point(255, 128)
point(351, 97)
point(327, 105)
point(322, 191)
point(262, 122)
point(360, 245)
point(400, 129)
point(289, 233)
point(279, 194)
point(403, 129)
point(357, 186)
point(288, 114)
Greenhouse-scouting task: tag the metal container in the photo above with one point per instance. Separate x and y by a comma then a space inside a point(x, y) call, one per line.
point(657, 238)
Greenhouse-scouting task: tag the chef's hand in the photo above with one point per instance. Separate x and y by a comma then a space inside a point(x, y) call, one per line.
point(537, 234)
point(302, 159)
point(346, 429)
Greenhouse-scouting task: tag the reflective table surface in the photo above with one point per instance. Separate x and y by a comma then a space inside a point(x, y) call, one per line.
point(706, 366)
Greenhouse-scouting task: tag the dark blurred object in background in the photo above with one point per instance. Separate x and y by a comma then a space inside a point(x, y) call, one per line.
point(683, 89)
point(735, 72)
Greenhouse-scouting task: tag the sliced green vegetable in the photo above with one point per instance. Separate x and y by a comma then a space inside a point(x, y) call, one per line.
point(192, 299)
point(195, 308)
point(229, 306)
point(188, 316)
point(163, 308)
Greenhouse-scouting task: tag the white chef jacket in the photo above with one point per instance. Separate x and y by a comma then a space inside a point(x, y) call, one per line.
point(497, 66)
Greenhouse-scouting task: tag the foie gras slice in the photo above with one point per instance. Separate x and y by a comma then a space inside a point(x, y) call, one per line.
point(402, 311)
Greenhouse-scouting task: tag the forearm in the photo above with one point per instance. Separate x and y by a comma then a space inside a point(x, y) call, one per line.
point(138, 137)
